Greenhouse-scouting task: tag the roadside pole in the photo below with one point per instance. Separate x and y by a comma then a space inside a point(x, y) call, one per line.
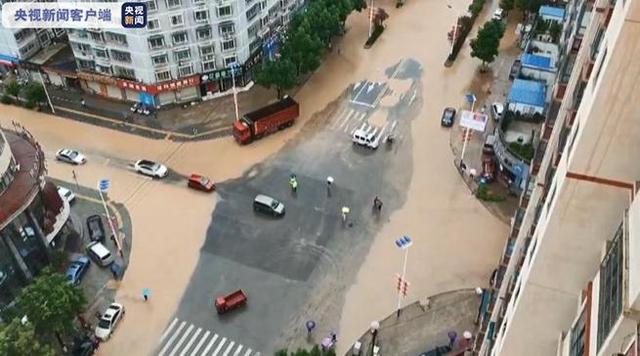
point(370, 19)
point(403, 243)
point(103, 186)
point(233, 67)
point(472, 99)
point(47, 93)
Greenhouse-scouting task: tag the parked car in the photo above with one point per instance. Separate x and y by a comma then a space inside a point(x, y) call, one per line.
point(77, 269)
point(497, 110)
point(448, 117)
point(100, 253)
point(70, 156)
point(514, 72)
point(151, 168)
point(498, 14)
point(95, 228)
point(109, 320)
point(67, 194)
point(199, 182)
point(268, 205)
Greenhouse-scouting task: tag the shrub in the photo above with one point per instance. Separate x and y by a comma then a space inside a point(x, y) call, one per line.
point(34, 92)
point(483, 193)
point(5, 99)
point(476, 8)
point(524, 151)
point(12, 88)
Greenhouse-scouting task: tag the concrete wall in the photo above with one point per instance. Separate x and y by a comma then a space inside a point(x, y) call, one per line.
point(633, 253)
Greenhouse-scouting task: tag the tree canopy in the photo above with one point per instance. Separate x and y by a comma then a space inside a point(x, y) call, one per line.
point(485, 45)
point(17, 339)
point(315, 351)
point(51, 304)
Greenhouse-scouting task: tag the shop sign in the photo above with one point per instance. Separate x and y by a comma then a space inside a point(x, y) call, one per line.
point(159, 88)
point(96, 78)
point(220, 74)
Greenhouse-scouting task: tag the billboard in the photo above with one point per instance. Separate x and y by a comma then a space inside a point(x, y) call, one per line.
point(474, 120)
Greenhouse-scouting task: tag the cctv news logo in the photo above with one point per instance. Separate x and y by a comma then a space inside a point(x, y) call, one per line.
point(80, 15)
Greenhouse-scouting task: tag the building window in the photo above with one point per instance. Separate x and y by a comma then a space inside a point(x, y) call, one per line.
point(151, 5)
point(177, 20)
point(103, 69)
point(226, 29)
point(161, 59)
point(173, 3)
point(604, 57)
point(163, 76)
point(22, 34)
point(126, 73)
point(224, 11)
point(179, 38)
point(551, 197)
point(201, 15)
point(253, 29)
point(203, 33)
point(576, 347)
point(610, 302)
point(97, 36)
point(101, 53)
point(117, 38)
point(253, 11)
point(207, 50)
point(182, 55)
point(153, 24)
point(595, 45)
point(208, 66)
point(228, 45)
point(255, 45)
point(185, 71)
point(84, 64)
point(121, 56)
point(156, 42)
point(229, 61)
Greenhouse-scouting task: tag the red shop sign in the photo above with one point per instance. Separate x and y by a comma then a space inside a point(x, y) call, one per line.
point(159, 88)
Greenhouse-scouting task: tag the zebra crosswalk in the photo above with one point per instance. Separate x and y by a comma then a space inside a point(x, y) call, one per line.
point(347, 119)
point(185, 339)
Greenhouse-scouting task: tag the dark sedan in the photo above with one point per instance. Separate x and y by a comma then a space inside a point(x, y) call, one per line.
point(95, 228)
point(448, 117)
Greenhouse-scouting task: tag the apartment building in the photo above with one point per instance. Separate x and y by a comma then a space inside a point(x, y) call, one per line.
point(607, 313)
point(17, 45)
point(184, 52)
point(581, 180)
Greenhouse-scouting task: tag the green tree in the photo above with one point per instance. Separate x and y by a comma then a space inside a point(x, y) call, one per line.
point(34, 93)
point(359, 5)
point(555, 29)
point(280, 74)
point(12, 88)
point(528, 6)
point(17, 339)
point(303, 48)
point(485, 45)
point(507, 5)
point(51, 304)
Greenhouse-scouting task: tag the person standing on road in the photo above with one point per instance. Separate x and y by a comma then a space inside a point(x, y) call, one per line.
point(83, 103)
point(146, 293)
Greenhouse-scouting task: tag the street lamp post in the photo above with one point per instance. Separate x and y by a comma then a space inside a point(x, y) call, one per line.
point(47, 93)
point(234, 66)
point(403, 243)
point(472, 100)
point(103, 186)
point(370, 19)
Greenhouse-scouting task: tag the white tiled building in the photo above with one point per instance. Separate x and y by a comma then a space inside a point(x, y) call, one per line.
point(187, 46)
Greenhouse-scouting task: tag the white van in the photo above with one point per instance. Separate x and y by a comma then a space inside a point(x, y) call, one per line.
point(100, 253)
point(367, 138)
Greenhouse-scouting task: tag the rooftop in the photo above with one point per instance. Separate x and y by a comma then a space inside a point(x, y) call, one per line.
point(536, 61)
point(550, 11)
point(528, 92)
point(27, 179)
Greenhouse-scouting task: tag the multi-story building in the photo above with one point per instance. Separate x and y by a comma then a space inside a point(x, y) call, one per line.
point(32, 214)
point(580, 183)
point(606, 316)
point(184, 52)
point(17, 45)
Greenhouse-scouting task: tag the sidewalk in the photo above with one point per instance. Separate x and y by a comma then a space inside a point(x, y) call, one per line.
point(203, 120)
point(425, 326)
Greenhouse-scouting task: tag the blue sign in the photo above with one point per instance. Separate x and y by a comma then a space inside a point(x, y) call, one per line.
point(147, 99)
point(134, 15)
point(470, 98)
point(270, 47)
point(403, 242)
point(103, 185)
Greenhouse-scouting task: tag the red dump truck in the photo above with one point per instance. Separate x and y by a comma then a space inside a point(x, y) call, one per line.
point(231, 301)
point(266, 120)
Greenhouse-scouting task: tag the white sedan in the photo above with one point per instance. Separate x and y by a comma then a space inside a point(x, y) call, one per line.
point(67, 194)
point(70, 156)
point(151, 169)
point(109, 321)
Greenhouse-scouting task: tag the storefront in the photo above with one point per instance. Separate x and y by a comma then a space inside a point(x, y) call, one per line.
point(220, 80)
point(101, 85)
point(7, 63)
point(157, 95)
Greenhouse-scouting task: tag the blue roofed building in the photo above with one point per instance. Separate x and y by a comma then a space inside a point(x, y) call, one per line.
point(527, 97)
point(539, 67)
point(550, 13)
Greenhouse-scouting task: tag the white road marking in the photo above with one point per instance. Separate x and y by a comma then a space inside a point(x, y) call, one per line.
point(184, 337)
point(191, 341)
point(173, 337)
point(338, 117)
point(202, 340)
point(238, 350)
point(166, 332)
point(247, 353)
point(224, 339)
point(211, 344)
point(347, 118)
point(226, 352)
